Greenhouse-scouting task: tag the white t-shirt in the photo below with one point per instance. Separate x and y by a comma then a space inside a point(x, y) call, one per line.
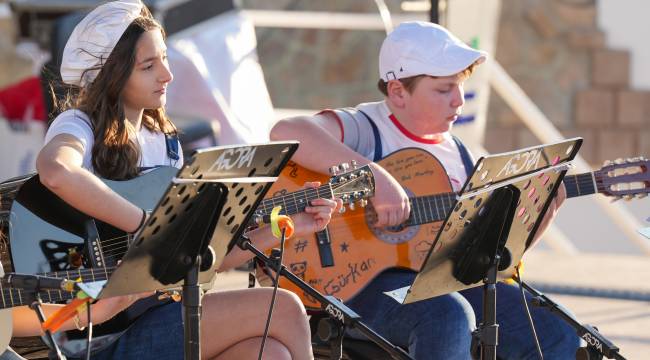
point(358, 135)
point(76, 123)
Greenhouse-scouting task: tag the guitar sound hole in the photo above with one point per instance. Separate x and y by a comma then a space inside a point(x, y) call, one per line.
point(230, 220)
point(227, 211)
point(155, 231)
point(234, 185)
point(189, 206)
point(252, 172)
point(169, 209)
point(187, 196)
point(259, 189)
point(171, 219)
point(243, 200)
point(234, 229)
point(241, 190)
point(268, 162)
point(182, 190)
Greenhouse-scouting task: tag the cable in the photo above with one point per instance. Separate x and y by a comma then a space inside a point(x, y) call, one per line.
point(89, 336)
point(275, 291)
point(530, 318)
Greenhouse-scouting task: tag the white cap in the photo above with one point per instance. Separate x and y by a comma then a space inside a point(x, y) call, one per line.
point(423, 48)
point(94, 38)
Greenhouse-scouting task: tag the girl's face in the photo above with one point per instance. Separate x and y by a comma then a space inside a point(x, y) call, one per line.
point(147, 85)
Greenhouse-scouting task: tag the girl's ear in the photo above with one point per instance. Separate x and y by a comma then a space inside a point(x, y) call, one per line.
point(396, 93)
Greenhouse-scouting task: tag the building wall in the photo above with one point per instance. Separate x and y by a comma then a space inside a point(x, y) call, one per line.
point(556, 50)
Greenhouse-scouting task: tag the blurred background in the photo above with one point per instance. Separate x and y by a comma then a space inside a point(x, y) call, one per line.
point(558, 68)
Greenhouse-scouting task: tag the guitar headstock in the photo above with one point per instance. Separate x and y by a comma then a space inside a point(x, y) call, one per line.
point(352, 184)
point(624, 178)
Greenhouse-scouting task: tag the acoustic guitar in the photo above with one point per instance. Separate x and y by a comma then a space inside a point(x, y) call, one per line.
point(342, 259)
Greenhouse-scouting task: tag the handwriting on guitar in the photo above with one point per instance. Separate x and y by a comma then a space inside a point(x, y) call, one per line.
point(355, 271)
point(237, 157)
point(521, 163)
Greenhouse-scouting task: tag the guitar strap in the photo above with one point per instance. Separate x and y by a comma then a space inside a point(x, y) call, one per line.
point(465, 156)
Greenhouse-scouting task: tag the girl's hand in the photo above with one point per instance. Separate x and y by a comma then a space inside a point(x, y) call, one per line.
point(316, 216)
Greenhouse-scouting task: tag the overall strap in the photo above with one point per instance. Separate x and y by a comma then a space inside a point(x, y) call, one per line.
point(375, 132)
point(468, 163)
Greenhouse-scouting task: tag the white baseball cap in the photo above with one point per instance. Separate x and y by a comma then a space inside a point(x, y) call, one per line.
point(94, 38)
point(424, 48)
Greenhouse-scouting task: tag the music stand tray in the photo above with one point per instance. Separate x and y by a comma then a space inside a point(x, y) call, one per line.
point(533, 175)
point(238, 175)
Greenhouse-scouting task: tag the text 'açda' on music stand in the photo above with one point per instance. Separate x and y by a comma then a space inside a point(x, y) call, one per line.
point(204, 211)
point(492, 223)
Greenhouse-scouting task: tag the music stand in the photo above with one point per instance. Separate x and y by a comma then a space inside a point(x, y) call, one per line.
point(204, 211)
point(493, 222)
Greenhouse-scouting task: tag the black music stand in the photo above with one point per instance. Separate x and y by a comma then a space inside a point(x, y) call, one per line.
point(204, 211)
point(491, 225)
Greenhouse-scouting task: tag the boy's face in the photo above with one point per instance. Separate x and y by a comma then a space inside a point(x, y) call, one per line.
point(435, 103)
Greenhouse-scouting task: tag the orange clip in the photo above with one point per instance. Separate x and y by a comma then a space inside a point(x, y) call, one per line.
point(285, 222)
point(56, 320)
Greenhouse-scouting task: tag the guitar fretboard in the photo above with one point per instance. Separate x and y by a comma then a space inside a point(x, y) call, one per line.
point(431, 208)
point(16, 297)
point(581, 184)
point(295, 202)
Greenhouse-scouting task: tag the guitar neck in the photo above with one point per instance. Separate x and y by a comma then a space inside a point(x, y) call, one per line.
point(433, 208)
point(295, 202)
point(430, 208)
point(580, 184)
point(12, 297)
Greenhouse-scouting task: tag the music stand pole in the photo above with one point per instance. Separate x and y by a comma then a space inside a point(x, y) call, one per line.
point(335, 308)
point(192, 312)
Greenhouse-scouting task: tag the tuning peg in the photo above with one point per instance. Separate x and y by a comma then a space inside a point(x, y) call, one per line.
point(351, 205)
point(619, 161)
point(353, 163)
point(344, 167)
point(608, 163)
point(342, 209)
point(334, 170)
point(364, 202)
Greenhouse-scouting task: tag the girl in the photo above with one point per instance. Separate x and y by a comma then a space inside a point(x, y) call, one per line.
point(117, 58)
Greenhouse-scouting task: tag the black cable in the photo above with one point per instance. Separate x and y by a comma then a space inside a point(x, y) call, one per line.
point(275, 291)
point(530, 318)
point(89, 336)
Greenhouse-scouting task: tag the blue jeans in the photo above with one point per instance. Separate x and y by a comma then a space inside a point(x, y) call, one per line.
point(157, 334)
point(440, 328)
point(10, 355)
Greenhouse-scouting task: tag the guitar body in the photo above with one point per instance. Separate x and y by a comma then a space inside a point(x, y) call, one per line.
point(359, 250)
point(46, 233)
point(47, 236)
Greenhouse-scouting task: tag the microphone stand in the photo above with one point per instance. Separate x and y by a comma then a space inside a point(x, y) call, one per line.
point(31, 291)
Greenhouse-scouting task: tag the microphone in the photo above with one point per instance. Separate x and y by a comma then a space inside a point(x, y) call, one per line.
point(37, 282)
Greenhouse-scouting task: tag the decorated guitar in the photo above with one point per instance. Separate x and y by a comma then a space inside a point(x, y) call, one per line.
point(341, 260)
point(49, 237)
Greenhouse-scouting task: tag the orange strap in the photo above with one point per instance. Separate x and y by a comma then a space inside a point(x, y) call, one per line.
point(56, 320)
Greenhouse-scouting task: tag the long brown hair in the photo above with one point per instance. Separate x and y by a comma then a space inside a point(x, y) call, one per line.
point(114, 154)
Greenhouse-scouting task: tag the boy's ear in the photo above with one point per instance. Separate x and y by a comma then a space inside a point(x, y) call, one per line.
point(396, 93)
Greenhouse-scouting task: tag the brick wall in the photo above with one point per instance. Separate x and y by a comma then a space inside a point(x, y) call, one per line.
point(556, 53)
